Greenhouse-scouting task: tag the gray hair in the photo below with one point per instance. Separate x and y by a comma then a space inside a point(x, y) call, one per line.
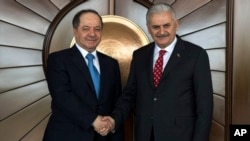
point(160, 7)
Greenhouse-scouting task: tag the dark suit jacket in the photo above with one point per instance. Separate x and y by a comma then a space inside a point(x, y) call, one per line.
point(74, 103)
point(180, 108)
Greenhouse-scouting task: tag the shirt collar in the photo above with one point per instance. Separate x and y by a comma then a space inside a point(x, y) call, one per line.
point(169, 48)
point(85, 52)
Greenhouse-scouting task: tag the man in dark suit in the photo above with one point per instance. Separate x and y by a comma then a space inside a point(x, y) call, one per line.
point(78, 104)
point(169, 85)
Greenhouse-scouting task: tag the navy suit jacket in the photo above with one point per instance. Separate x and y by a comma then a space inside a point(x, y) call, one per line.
point(180, 108)
point(74, 102)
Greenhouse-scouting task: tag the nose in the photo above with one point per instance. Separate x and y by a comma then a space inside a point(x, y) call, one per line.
point(92, 32)
point(162, 31)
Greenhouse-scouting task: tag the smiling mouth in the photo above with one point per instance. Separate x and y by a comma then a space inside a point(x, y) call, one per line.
point(92, 40)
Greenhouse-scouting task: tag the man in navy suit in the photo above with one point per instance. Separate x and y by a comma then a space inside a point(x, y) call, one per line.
point(77, 108)
point(169, 85)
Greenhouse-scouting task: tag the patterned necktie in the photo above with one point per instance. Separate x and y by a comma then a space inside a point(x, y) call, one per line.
point(94, 73)
point(158, 68)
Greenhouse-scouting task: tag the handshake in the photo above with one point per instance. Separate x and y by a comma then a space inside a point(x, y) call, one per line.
point(104, 124)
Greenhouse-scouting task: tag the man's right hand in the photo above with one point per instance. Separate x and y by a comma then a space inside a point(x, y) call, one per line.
point(103, 124)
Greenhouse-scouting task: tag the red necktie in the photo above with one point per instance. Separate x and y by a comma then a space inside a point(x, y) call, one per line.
point(158, 68)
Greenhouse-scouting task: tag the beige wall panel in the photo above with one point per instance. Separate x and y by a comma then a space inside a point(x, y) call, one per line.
point(241, 76)
point(184, 7)
point(217, 58)
point(209, 38)
point(17, 77)
point(15, 100)
point(13, 12)
point(219, 109)
point(16, 57)
point(217, 132)
point(37, 133)
point(134, 12)
point(212, 13)
point(218, 79)
point(16, 126)
point(15, 36)
point(60, 3)
point(41, 7)
point(167, 1)
point(64, 32)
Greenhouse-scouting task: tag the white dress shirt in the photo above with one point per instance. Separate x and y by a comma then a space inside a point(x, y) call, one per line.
point(84, 54)
point(167, 55)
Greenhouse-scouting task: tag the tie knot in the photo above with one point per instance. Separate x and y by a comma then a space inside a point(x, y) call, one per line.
point(162, 52)
point(90, 57)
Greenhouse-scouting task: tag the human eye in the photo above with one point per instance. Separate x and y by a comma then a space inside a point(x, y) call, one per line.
point(98, 29)
point(155, 27)
point(85, 28)
point(167, 25)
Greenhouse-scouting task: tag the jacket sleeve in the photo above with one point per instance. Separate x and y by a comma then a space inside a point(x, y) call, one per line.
point(203, 97)
point(126, 101)
point(65, 103)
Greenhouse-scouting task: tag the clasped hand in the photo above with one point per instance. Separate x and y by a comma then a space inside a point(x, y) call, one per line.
point(103, 125)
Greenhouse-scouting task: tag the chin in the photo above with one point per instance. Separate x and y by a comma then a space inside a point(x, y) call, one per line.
point(163, 45)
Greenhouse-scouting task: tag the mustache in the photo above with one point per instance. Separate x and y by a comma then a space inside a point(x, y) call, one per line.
point(162, 35)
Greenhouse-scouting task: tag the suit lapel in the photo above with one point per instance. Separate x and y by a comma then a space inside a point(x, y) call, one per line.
point(176, 56)
point(150, 53)
point(79, 62)
point(104, 73)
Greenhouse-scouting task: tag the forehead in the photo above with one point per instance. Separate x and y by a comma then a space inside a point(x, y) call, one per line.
point(161, 18)
point(90, 19)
